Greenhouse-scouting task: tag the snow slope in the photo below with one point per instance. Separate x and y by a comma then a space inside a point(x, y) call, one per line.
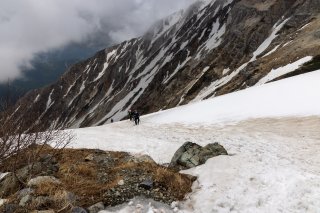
point(296, 96)
point(272, 133)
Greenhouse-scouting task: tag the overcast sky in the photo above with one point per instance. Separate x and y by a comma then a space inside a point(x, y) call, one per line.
point(28, 27)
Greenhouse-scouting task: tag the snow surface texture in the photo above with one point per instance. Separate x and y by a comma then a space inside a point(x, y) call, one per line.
point(273, 161)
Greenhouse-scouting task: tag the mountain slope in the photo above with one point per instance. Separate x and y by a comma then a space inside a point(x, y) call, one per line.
point(213, 48)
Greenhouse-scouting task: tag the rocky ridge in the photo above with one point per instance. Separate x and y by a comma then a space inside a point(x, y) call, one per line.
point(88, 180)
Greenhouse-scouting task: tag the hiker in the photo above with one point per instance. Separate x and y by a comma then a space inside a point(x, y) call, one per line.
point(111, 120)
point(130, 114)
point(136, 117)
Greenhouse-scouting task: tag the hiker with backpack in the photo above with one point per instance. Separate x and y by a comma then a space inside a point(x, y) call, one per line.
point(136, 117)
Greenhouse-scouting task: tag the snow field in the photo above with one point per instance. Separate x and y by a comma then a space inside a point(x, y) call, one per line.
point(296, 96)
point(272, 135)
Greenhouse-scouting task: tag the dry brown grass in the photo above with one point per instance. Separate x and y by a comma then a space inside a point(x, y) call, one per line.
point(47, 189)
point(177, 183)
point(83, 179)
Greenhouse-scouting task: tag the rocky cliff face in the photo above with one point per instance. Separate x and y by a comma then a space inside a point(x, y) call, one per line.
point(213, 48)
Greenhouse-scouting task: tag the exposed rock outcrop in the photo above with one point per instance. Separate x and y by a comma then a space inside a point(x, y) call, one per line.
point(190, 155)
point(82, 185)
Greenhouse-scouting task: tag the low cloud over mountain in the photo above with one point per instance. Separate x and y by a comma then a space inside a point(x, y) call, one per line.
point(30, 27)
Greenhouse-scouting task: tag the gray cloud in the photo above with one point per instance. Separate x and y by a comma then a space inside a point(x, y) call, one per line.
point(30, 27)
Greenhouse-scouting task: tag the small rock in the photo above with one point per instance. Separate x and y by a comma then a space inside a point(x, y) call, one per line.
point(89, 157)
point(130, 203)
point(175, 209)
point(33, 168)
point(43, 179)
point(25, 200)
point(99, 151)
point(8, 184)
point(121, 182)
point(3, 201)
point(24, 192)
point(174, 204)
point(147, 184)
point(139, 206)
point(41, 201)
point(43, 211)
point(48, 158)
point(96, 207)
point(10, 208)
point(70, 197)
point(78, 210)
point(142, 159)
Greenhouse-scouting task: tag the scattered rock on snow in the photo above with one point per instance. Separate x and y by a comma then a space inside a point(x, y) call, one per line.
point(190, 155)
point(174, 204)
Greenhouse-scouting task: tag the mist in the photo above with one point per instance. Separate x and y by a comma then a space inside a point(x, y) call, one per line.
point(30, 27)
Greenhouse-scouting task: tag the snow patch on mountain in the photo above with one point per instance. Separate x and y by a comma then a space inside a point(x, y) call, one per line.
point(209, 91)
point(275, 73)
point(276, 28)
point(50, 102)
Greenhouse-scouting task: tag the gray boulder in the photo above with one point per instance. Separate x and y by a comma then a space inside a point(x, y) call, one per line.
point(142, 159)
point(25, 200)
point(190, 155)
point(25, 172)
point(147, 184)
point(8, 184)
point(89, 157)
point(24, 192)
point(10, 208)
point(42, 202)
point(47, 167)
point(78, 210)
point(96, 207)
point(43, 179)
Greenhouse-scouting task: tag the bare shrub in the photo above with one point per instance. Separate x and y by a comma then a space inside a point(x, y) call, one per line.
point(18, 148)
